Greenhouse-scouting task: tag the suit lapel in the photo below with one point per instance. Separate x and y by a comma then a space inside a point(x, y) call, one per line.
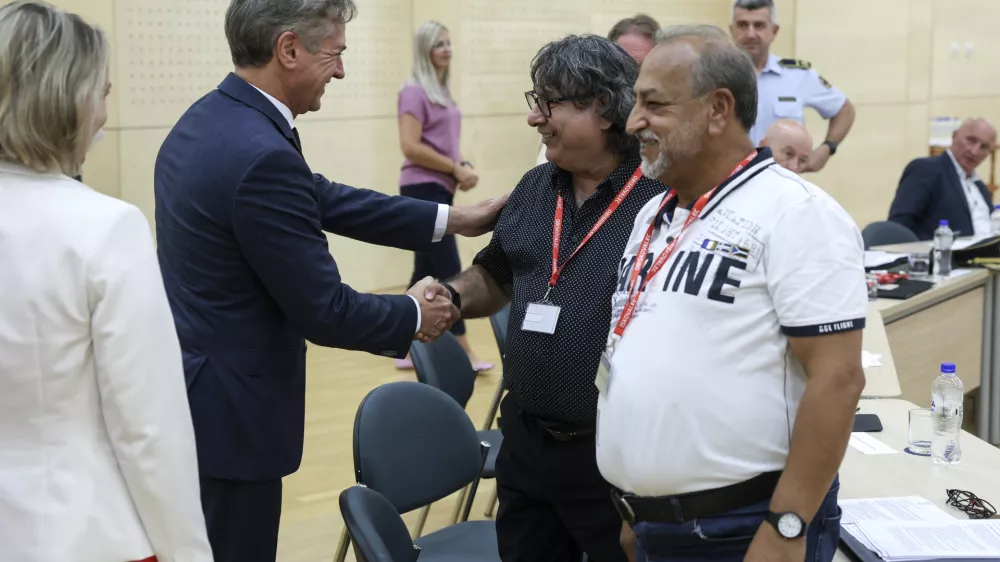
point(238, 89)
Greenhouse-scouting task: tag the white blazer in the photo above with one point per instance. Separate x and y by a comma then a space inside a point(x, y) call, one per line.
point(97, 453)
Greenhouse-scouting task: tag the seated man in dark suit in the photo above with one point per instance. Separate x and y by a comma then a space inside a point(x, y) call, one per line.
point(946, 187)
point(240, 221)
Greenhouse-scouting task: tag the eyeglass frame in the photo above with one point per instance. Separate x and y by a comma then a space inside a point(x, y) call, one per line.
point(534, 99)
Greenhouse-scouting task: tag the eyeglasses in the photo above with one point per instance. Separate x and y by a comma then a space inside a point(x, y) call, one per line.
point(545, 104)
point(973, 506)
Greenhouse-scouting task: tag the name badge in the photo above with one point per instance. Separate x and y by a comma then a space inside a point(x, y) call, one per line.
point(603, 379)
point(541, 318)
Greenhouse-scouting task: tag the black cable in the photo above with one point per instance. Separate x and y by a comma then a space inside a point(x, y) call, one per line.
point(971, 504)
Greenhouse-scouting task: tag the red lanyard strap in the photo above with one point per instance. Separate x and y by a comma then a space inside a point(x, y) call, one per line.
point(661, 260)
point(557, 226)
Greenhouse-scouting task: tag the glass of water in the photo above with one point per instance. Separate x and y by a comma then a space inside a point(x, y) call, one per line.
point(920, 265)
point(871, 280)
point(920, 432)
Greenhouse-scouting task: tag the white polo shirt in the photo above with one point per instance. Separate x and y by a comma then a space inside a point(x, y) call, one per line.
point(704, 389)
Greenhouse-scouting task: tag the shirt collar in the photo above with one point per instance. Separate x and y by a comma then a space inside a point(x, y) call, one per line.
point(974, 176)
point(561, 178)
point(772, 65)
point(282, 108)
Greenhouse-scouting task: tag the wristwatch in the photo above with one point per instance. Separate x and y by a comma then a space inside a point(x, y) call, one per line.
point(789, 525)
point(832, 146)
point(456, 299)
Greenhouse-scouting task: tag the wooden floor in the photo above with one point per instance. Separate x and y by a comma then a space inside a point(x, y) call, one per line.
point(337, 382)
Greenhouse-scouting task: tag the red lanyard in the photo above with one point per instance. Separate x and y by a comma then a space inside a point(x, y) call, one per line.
point(661, 260)
point(557, 226)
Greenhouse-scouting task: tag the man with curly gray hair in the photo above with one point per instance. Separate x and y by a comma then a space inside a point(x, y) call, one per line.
point(554, 259)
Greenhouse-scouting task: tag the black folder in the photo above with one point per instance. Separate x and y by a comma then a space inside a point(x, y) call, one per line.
point(858, 552)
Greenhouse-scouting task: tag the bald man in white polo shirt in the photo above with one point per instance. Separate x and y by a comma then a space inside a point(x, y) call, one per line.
point(731, 377)
point(790, 144)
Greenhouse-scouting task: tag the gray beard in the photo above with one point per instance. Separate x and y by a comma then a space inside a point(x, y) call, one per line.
point(654, 170)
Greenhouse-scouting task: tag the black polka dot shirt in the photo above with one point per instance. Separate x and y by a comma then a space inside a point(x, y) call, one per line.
point(552, 376)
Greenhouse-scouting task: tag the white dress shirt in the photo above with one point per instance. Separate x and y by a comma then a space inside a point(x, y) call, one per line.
point(440, 223)
point(97, 452)
point(979, 209)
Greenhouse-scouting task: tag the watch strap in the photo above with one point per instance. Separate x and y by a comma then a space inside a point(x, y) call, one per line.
point(456, 299)
point(832, 146)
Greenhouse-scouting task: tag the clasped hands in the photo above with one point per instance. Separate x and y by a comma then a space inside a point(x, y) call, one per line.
point(437, 312)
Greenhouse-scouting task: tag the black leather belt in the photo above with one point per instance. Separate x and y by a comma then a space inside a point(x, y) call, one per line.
point(685, 507)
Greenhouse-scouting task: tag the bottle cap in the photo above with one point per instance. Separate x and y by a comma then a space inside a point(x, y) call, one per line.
point(943, 223)
point(947, 367)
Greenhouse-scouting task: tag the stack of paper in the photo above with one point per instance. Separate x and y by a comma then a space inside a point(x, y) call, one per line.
point(877, 258)
point(914, 529)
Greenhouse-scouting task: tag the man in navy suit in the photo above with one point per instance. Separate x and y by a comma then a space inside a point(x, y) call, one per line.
point(946, 187)
point(240, 220)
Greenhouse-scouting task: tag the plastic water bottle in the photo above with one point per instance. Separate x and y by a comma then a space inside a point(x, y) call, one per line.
point(947, 395)
point(943, 239)
point(995, 221)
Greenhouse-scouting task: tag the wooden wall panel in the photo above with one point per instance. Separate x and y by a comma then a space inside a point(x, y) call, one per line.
point(840, 46)
point(965, 74)
point(865, 172)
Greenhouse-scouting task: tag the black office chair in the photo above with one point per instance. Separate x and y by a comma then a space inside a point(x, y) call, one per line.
point(414, 445)
point(884, 233)
point(498, 322)
point(444, 365)
point(375, 528)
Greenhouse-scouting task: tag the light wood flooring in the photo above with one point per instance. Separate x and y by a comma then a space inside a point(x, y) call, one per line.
point(337, 381)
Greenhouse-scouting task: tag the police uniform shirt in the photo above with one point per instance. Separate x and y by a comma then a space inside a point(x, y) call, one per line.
point(704, 389)
point(785, 88)
point(551, 376)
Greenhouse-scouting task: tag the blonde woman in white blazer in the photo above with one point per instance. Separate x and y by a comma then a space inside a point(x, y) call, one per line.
point(97, 453)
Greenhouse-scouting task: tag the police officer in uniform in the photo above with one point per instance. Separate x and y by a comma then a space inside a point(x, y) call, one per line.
point(785, 87)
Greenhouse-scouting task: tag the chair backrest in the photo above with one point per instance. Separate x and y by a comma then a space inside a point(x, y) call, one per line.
point(883, 233)
point(444, 365)
point(376, 529)
point(499, 322)
point(415, 445)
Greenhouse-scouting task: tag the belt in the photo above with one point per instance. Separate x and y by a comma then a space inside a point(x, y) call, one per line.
point(685, 507)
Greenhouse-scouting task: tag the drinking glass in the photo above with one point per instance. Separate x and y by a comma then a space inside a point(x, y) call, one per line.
point(872, 282)
point(920, 431)
point(920, 265)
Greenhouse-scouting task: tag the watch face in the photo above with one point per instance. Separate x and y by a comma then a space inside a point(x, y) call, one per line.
point(789, 526)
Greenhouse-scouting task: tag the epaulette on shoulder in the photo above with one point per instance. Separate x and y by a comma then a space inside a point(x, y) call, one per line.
point(795, 63)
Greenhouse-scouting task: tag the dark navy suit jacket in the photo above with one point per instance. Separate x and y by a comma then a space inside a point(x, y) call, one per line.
point(239, 222)
point(929, 192)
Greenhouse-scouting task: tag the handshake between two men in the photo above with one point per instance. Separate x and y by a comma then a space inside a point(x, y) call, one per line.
point(437, 311)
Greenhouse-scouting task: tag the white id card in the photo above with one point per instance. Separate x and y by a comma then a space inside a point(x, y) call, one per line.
point(603, 380)
point(541, 318)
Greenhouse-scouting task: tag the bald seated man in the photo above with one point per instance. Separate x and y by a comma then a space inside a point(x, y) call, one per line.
point(791, 144)
point(947, 187)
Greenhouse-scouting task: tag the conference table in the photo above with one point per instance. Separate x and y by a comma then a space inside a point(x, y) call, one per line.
point(864, 476)
point(957, 321)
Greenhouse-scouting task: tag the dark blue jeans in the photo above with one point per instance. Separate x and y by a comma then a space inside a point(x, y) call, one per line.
point(726, 537)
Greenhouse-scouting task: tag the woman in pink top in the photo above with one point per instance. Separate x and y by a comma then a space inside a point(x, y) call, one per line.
point(429, 131)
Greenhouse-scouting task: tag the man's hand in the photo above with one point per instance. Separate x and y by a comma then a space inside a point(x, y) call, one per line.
point(818, 159)
point(437, 312)
point(475, 219)
point(769, 546)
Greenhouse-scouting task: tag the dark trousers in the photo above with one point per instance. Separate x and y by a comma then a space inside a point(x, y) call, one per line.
point(442, 261)
point(242, 519)
point(726, 537)
point(554, 503)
